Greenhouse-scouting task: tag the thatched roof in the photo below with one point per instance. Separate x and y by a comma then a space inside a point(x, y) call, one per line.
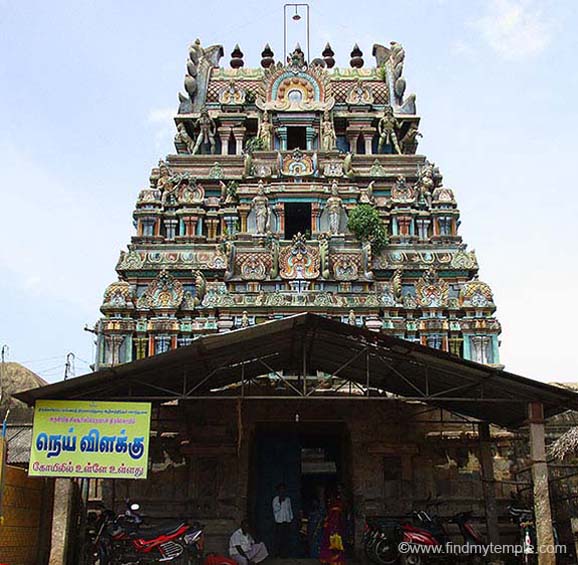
point(16, 378)
point(566, 445)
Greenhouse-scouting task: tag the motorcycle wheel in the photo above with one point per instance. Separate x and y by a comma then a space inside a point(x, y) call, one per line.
point(385, 552)
point(370, 551)
point(411, 560)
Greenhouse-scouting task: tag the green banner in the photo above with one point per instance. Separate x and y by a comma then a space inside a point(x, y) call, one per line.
point(90, 439)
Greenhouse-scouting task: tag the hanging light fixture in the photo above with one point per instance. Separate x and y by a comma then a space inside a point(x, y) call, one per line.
point(295, 12)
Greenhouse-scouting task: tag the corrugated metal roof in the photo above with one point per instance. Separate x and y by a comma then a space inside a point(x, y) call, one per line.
point(387, 364)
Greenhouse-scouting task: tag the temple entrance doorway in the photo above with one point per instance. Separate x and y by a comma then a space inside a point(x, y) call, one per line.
point(313, 461)
point(297, 219)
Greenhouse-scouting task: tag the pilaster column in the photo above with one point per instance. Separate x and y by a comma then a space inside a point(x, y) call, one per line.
point(170, 228)
point(310, 134)
point(542, 510)
point(282, 133)
point(190, 225)
point(280, 209)
point(243, 213)
point(367, 139)
point(141, 347)
point(61, 521)
point(488, 482)
point(239, 135)
point(315, 217)
point(436, 230)
point(352, 137)
point(224, 136)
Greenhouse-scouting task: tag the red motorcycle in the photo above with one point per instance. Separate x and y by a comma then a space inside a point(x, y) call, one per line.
point(427, 541)
point(125, 540)
point(390, 541)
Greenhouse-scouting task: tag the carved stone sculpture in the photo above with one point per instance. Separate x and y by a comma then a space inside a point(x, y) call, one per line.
point(274, 273)
point(397, 54)
point(387, 127)
point(200, 286)
point(347, 165)
point(262, 213)
point(199, 66)
point(328, 137)
point(396, 284)
point(247, 164)
point(228, 248)
point(409, 141)
point(425, 186)
point(266, 131)
point(366, 195)
point(366, 253)
point(334, 206)
point(207, 128)
point(183, 138)
point(324, 256)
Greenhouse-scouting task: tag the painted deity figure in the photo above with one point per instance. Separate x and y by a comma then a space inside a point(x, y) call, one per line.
point(425, 186)
point(247, 164)
point(266, 132)
point(334, 207)
point(328, 137)
point(348, 166)
point(366, 196)
point(367, 259)
point(206, 126)
point(164, 179)
point(387, 127)
point(410, 139)
point(183, 137)
point(261, 207)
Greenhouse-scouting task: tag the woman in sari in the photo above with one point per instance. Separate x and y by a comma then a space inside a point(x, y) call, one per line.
point(315, 524)
point(332, 541)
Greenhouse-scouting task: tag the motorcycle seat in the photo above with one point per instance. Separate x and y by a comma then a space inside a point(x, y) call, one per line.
point(167, 528)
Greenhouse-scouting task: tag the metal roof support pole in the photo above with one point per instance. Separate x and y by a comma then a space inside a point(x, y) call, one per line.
point(542, 509)
point(304, 367)
point(367, 373)
point(488, 482)
point(62, 533)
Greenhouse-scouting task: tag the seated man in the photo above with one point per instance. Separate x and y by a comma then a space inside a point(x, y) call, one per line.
point(243, 548)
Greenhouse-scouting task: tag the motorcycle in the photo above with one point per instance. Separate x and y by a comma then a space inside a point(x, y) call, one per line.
point(125, 540)
point(430, 530)
point(383, 536)
point(524, 518)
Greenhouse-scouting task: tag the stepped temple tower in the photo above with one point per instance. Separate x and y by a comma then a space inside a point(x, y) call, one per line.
point(295, 187)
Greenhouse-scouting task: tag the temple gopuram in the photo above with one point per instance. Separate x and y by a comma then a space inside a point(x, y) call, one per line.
point(296, 186)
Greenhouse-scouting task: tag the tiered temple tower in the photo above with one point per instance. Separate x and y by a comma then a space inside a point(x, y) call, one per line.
point(296, 187)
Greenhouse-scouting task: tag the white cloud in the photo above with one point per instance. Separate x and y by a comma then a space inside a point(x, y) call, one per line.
point(161, 119)
point(515, 29)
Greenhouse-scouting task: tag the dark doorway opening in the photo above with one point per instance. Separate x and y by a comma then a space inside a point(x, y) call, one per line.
point(296, 138)
point(297, 219)
point(313, 461)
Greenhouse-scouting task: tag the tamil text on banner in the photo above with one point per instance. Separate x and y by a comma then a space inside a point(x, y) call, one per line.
point(90, 439)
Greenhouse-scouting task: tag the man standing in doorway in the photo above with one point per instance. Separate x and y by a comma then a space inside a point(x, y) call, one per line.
point(283, 514)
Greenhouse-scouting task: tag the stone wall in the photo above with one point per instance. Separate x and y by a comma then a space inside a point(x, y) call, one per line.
point(398, 456)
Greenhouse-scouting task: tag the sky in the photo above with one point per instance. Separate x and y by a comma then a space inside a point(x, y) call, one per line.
point(87, 94)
